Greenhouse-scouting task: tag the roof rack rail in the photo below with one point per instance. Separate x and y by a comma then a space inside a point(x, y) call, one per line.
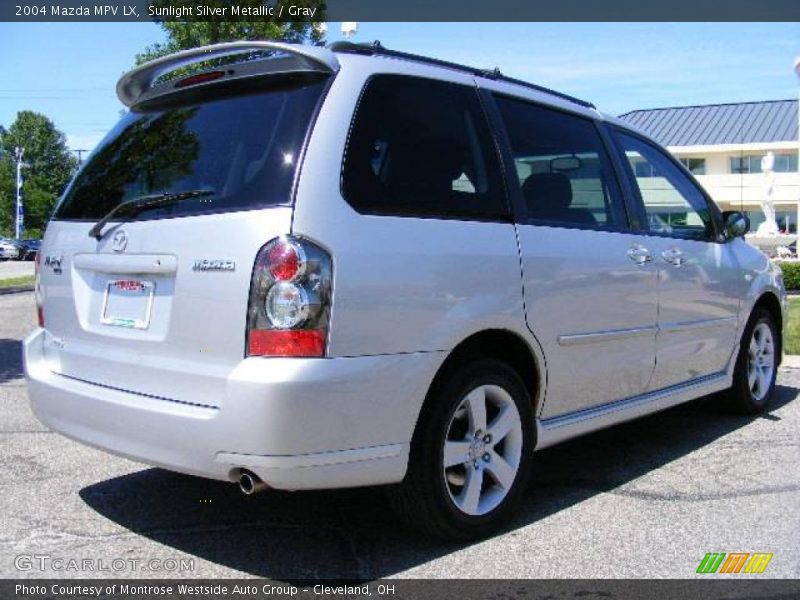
point(376, 49)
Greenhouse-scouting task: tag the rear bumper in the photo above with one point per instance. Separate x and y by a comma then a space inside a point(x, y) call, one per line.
point(296, 423)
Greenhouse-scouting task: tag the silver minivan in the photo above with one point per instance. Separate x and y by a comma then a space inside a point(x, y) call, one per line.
point(299, 267)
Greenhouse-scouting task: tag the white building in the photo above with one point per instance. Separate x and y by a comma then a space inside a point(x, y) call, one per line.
point(723, 144)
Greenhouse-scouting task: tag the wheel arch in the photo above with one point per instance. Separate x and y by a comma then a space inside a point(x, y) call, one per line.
point(770, 302)
point(500, 344)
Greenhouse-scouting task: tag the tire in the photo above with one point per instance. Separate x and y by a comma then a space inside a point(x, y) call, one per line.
point(473, 498)
point(756, 366)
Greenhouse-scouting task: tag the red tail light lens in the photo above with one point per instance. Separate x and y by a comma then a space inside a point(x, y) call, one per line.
point(290, 298)
point(37, 291)
point(292, 342)
point(286, 260)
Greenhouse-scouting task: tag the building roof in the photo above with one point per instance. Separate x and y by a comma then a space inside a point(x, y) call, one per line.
point(741, 123)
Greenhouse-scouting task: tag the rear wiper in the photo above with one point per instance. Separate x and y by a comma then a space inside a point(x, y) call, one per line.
point(135, 205)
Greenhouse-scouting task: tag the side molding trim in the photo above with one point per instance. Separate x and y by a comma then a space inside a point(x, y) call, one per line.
point(575, 339)
point(695, 325)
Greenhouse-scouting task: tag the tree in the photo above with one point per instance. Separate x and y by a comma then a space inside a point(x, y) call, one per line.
point(50, 167)
point(191, 34)
point(152, 154)
point(7, 195)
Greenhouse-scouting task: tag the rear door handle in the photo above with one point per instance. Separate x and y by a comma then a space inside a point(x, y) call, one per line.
point(639, 254)
point(674, 257)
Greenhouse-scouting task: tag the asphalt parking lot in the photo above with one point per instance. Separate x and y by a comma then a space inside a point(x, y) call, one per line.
point(646, 499)
point(15, 268)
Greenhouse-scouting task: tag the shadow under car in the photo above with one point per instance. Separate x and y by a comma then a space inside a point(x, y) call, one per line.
point(354, 534)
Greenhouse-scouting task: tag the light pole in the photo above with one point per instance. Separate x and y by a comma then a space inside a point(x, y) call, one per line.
point(79, 152)
point(19, 213)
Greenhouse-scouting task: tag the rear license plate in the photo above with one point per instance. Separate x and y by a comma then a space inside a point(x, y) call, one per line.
point(128, 303)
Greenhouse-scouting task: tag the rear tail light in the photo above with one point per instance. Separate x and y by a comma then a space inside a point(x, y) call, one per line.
point(37, 290)
point(290, 299)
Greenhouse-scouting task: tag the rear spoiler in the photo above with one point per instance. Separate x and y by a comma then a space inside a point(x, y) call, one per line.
point(136, 84)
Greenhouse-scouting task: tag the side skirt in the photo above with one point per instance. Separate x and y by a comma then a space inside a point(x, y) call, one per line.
point(558, 429)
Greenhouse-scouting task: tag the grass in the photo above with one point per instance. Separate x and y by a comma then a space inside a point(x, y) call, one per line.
point(793, 327)
point(16, 281)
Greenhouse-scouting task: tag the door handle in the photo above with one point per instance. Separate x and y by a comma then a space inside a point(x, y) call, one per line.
point(639, 254)
point(674, 257)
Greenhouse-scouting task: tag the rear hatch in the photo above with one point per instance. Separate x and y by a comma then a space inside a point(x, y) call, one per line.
point(154, 301)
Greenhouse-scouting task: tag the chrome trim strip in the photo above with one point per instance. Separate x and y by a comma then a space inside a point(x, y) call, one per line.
point(575, 339)
point(694, 325)
point(127, 264)
point(563, 427)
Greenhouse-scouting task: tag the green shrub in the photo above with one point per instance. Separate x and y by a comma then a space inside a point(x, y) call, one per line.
point(791, 274)
point(792, 341)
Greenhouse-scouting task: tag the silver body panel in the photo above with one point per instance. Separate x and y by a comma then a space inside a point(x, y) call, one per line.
point(595, 309)
point(698, 308)
point(401, 285)
point(612, 340)
point(195, 337)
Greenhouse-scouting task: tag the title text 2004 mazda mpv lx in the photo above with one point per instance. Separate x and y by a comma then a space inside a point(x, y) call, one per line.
point(302, 268)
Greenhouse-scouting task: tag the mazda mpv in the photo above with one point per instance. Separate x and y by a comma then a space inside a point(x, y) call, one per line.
point(299, 267)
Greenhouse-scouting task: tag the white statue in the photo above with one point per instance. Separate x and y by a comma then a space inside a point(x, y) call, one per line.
point(769, 226)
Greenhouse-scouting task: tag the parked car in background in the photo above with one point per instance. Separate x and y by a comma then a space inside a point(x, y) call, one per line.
point(9, 249)
point(347, 266)
point(29, 249)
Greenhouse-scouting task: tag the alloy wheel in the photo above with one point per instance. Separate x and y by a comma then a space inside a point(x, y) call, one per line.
point(761, 361)
point(482, 450)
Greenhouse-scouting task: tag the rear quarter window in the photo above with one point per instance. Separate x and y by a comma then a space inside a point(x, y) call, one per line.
point(420, 147)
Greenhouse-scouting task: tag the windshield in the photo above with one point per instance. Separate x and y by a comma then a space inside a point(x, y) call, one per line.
point(242, 144)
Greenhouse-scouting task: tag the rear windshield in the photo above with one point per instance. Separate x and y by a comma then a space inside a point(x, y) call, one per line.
point(239, 147)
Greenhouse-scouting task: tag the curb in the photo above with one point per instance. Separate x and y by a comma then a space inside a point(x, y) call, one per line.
point(15, 289)
point(790, 361)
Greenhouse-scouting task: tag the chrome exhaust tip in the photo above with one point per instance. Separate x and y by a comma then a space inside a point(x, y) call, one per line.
point(250, 483)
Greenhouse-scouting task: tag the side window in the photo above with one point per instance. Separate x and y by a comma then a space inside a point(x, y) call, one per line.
point(422, 147)
point(564, 172)
point(673, 204)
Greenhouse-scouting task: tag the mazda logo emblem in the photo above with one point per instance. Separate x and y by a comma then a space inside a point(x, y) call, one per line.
point(119, 242)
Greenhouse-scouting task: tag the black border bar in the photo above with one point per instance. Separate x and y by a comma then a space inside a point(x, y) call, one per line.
point(405, 10)
point(729, 588)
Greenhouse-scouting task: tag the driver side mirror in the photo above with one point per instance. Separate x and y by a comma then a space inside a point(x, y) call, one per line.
point(736, 224)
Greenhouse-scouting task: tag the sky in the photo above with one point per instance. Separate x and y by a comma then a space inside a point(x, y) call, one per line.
point(68, 71)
